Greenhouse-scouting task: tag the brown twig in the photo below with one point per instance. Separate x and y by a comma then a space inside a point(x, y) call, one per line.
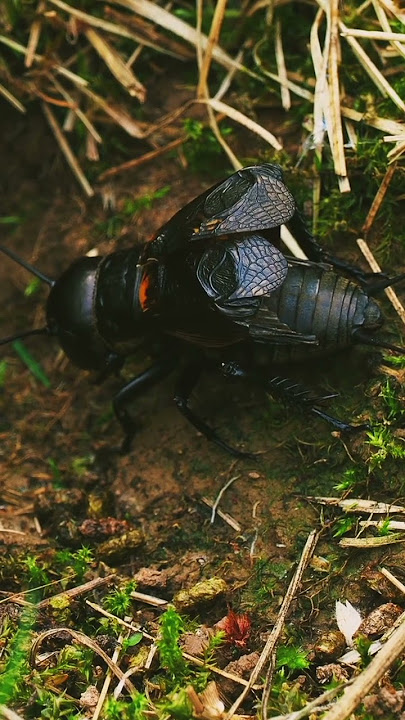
point(82, 639)
point(274, 636)
point(379, 197)
point(137, 162)
point(78, 590)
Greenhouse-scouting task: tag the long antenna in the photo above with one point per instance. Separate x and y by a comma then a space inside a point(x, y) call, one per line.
point(377, 287)
point(27, 266)
point(24, 334)
point(362, 338)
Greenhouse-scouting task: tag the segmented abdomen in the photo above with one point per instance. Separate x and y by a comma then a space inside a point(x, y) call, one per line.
point(316, 301)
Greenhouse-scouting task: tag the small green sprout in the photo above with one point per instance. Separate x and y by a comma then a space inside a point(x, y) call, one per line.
point(392, 401)
point(343, 526)
point(118, 602)
point(171, 658)
point(362, 644)
point(292, 657)
point(350, 479)
point(37, 574)
point(32, 287)
point(386, 446)
point(385, 527)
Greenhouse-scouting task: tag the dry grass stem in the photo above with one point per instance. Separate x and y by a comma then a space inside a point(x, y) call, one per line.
point(76, 110)
point(223, 489)
point(281, 66)
point(372, 542)
point(379, 197)
point(39, 58)
point(226, 82)
point(274, 636)
point(336, 131)
point(78, 590)
point(224, 516)
point(94, 21)
point(67, 151)
point(13, 532)
point(393, 524)
point(314, 705)
point(191, 658)
point(11, 99)
point(108, 678)
point(118, 620)
point(358, 505)
point(364, 682)
point(389, 291)
point(212, 42)
point(148, 599)
point(242, 119)
point(372, 34)
point(116, 65)
point(9, 714)
point(296, 89)
point(35, 32)
point(235, 162)
point(398, 584)
point(223, 673)
point(374, 73)
point(397, 151)
point(175, 25)
point(82, 639)
point(291, 243)
point(137, 162)
point(120, 116)
point(393, 8)
point(384, 124)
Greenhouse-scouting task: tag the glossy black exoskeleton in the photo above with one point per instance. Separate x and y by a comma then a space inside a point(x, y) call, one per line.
point(214, 278)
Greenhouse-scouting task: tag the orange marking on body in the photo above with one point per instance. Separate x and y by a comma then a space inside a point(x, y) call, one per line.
point(143, 291)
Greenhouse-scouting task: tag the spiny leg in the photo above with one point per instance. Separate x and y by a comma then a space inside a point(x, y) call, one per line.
point(185, 385)
point(133, 389)
point(292, 393)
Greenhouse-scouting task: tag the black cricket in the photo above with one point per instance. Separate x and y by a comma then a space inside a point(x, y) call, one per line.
point(213, 288)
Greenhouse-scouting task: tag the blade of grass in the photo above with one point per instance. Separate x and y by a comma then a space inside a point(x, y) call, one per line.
point(33, 366)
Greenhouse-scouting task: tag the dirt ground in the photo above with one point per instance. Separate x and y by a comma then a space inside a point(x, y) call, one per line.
point(59, 452)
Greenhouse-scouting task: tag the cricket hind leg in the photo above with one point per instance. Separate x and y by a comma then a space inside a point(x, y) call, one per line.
point(293, 393)
point(185, 385)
